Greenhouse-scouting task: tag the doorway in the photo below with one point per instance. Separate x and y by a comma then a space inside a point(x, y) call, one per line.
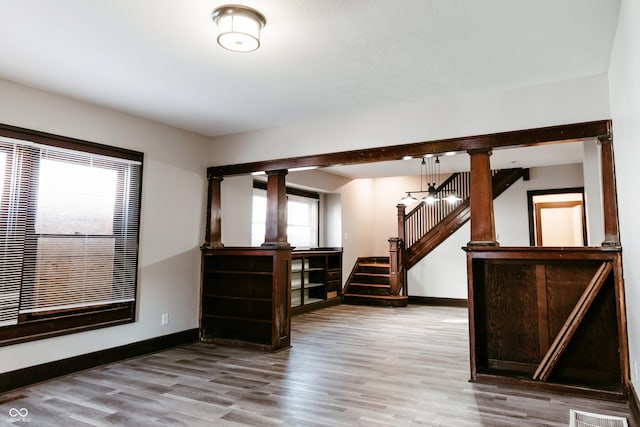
point(557, 217)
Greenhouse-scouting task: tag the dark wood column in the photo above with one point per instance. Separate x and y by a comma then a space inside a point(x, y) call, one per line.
point(609, 198)
point(483, 229)
point(276, 227)
point(213, 233)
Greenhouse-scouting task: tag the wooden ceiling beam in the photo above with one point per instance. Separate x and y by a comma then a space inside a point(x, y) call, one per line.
point(528, 137)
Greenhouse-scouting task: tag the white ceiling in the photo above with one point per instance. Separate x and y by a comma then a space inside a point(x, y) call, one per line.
point(319, 58)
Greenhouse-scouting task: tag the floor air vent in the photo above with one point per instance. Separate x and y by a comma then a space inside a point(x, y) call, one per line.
point(587, 419)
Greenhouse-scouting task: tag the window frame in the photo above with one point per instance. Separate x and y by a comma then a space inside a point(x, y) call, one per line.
point(56, 323)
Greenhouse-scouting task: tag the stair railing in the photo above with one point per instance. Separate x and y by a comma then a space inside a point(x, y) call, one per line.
point(426, 216)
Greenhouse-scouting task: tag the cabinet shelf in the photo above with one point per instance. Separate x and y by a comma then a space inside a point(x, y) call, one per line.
point(249, 319)
point(237, 298)
point(315, 276)
point(238, 272)
point(314, 285)
point(244, 294)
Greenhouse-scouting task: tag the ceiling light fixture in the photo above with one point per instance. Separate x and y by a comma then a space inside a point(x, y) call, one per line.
point(238, 27)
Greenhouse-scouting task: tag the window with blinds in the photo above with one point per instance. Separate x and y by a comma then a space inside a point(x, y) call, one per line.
point(69, 222)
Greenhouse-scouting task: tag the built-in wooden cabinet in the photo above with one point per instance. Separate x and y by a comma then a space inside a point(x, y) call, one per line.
point(246, 294)
point(548, 316)
point(245, 297)
point(316, 276)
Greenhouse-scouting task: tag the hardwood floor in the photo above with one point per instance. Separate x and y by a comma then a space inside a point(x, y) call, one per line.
point(348, 366)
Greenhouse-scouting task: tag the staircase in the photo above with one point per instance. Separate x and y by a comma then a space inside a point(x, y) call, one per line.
point(424, 228)
point(369, 284)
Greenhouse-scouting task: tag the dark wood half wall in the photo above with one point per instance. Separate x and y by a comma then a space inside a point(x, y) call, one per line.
point(551, 134)
point(527, 305)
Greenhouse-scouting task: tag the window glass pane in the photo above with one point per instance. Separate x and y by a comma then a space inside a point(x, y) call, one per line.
point(75, 199)
point(257, 234)
point(65, 277)
point(258, 216)
point(298, 213)
point(259, 209)
point(302, 221)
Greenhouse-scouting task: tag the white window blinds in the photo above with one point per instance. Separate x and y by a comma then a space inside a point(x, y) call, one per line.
point(68, 229)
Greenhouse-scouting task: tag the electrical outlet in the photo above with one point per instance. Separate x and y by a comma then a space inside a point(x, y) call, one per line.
point(165, 319)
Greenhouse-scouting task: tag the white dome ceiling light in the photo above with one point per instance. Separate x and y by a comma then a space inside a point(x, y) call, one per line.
point(238, 27)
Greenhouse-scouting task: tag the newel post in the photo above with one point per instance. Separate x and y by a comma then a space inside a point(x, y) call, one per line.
point(609, 199)
point(483, 228)
point(213, 232)
point(401, 213)
point(276, 226)
point(395, 256)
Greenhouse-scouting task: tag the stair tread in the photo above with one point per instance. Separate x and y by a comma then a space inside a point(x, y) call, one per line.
point(361, 273)
point(373, 285)
point(374, 264)
point(399, 297)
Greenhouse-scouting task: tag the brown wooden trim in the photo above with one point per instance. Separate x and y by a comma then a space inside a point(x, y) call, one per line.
point(609, 198)
point(276, 224)
point(65, 323)
point(437, 301)
point(530, 207)
point(543, 253)
point(475, 303)
point(33, 374)
point(615, 395)
point(69, 143)
point(538, 207)
point(213, 233)
point(483, 228)
point(621, 312)
point(564, 133)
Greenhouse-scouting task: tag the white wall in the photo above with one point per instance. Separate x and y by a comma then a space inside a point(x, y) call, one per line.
point(236, 200)
point(358, 223)
point(593, 193)
point(545, 105)
point(510, 209)
point(624, 79)
point(173, 199)
point(332, 220)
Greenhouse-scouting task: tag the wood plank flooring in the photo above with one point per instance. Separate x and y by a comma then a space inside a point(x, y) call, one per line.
point(348, 366)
